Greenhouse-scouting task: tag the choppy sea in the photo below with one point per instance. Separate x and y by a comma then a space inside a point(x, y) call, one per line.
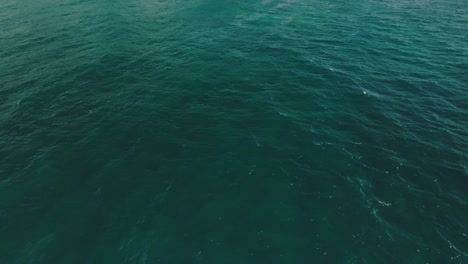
point(235, 131)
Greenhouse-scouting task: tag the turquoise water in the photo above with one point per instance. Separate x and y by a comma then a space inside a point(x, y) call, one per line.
point(261, 131)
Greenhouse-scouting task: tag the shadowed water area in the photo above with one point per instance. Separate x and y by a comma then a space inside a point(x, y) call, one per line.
point(260, 131)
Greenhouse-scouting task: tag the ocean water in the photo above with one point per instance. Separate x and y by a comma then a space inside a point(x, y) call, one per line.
point(209, 131)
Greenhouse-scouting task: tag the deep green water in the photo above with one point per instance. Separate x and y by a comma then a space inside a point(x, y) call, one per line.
point(210, 131)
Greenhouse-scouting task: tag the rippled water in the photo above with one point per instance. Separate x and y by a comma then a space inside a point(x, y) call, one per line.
point(203, 131)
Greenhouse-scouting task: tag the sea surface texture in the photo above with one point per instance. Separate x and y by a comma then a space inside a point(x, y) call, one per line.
point(233, 131)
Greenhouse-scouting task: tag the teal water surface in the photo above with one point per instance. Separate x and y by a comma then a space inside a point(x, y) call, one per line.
point(209, 131)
